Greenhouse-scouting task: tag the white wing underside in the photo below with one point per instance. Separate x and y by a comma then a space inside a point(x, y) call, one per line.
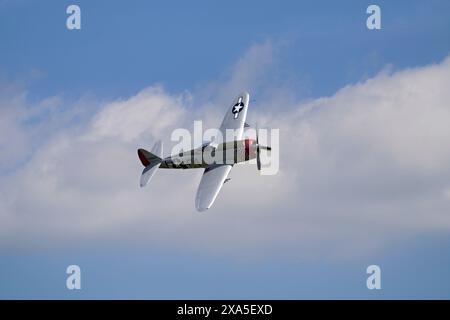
point(214, 176)
point(212, 181)
point(235, 117)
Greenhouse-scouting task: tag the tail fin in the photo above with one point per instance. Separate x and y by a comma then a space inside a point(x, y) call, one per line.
point(151, 161)
point(147, 157)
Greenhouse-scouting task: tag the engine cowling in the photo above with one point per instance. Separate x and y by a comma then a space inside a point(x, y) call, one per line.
point(250, 149)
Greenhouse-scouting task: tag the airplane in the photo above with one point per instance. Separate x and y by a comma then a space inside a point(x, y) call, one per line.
point(216, 157)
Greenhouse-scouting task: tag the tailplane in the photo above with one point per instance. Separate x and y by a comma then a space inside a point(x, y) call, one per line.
point(151, 161)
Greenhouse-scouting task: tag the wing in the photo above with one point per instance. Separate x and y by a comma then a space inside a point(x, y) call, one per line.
point(212, 181)
point(235, 117)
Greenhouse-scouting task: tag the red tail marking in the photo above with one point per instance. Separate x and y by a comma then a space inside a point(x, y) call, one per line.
point(142, 157)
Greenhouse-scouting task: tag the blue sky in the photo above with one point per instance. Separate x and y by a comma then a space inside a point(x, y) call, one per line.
point(123, 48)
point(416, 270)
point(304, 50)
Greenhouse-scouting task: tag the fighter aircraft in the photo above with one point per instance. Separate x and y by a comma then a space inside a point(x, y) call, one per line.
point(216, 157)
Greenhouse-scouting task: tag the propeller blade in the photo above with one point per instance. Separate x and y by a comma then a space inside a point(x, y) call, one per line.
point(258, 151)
point(258, 159)
point(257, 138)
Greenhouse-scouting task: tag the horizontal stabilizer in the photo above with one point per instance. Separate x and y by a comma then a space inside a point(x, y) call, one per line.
point(148, 173)
point(151, 161)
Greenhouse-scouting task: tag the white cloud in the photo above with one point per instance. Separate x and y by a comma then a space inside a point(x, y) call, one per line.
point(359, 170)
point(13, 140)
point(151, 110)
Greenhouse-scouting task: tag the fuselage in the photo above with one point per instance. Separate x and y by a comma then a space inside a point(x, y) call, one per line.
point(209, 154)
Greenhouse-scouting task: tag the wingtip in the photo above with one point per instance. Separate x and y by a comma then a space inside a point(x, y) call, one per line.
point(245, 93)
point(201, 208)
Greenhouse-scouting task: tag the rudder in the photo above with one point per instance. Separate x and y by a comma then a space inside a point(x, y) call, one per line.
point(147, 158)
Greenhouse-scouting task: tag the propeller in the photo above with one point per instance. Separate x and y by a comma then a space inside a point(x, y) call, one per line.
point(258, 149)
point(258, 158)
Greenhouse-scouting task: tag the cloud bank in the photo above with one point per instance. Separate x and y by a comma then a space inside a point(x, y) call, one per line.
point(359, 170)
